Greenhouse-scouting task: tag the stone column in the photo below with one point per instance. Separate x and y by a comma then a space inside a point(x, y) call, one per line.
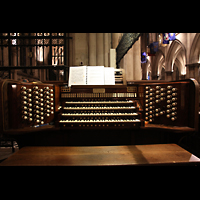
point(100, 49)
point(106, 49)
point(137, 60)
point(92, 49)
point(115, 40)
point(80, 49)
point(132, 62)
point(182, 77)
point(128, 65)
point(168, 75)
point(155, 77)
point(196, 71)
point(193, 71)
point(113, 58)
point(144, 71)
point(187, 72)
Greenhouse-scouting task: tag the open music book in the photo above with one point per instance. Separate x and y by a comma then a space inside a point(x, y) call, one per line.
point(91, 75)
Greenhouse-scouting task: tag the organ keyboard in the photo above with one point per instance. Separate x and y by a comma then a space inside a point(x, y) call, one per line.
point(97, 106)
point(100, 114)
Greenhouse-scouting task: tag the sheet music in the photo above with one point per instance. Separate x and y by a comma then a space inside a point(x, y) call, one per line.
point(109, 76)
point(77, 75)
point(91, 75)
point(95, 75)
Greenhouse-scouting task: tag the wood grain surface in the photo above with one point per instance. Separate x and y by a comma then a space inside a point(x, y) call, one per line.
point(101, 156)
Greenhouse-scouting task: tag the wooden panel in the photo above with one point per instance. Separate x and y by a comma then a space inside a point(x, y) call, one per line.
point(101, 156)
point(1, 107)
point(172, 103)
point(36, 107)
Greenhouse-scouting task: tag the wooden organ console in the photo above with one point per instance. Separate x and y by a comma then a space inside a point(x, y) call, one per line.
point(26, 107)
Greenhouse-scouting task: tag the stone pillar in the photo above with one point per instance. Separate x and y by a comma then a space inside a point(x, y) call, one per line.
point(155, 77)
point(196, 72)
point(187, 76)
point(128, 65)
point(137, 60)
point(115, 40)
point(106, 49)
point(100, 49)
point(80, 52)
point(182, 77)
point(144, 71)
point(113, 58)
point(193, 71)
point(168, 75)
point(92, 49)
point(132, 62)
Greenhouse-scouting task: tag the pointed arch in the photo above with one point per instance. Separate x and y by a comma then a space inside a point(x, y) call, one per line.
point(161, 65)
point(176, 51)
point(159, 61)
point(148, 69)
point(195, 49)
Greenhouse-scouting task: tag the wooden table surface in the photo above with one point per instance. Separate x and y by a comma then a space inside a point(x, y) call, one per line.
point(101, 156)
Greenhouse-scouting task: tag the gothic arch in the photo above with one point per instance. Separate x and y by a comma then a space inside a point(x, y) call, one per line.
point(176, 51)
point(160, 65)
point(148, 68)
point(195, 49)
point(159, 61)
point(180, 62)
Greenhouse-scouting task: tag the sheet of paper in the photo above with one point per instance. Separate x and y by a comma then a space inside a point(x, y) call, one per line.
point(95, 75)
point(109, 76)
point(77, 75)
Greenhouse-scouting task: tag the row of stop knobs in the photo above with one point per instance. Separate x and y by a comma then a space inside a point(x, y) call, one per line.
point(37, 104)
point(153, 99)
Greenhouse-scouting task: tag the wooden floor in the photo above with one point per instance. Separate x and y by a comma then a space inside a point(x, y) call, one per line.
point(158, 154)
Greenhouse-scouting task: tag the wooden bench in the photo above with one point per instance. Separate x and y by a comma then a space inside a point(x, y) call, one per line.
point(156, 154)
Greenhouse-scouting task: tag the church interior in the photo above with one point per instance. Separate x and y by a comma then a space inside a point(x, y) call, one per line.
point(99, 99)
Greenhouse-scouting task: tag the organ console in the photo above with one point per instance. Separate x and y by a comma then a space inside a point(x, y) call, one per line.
point(28, 106)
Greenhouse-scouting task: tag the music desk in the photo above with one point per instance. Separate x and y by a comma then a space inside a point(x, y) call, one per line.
point(156, 154)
